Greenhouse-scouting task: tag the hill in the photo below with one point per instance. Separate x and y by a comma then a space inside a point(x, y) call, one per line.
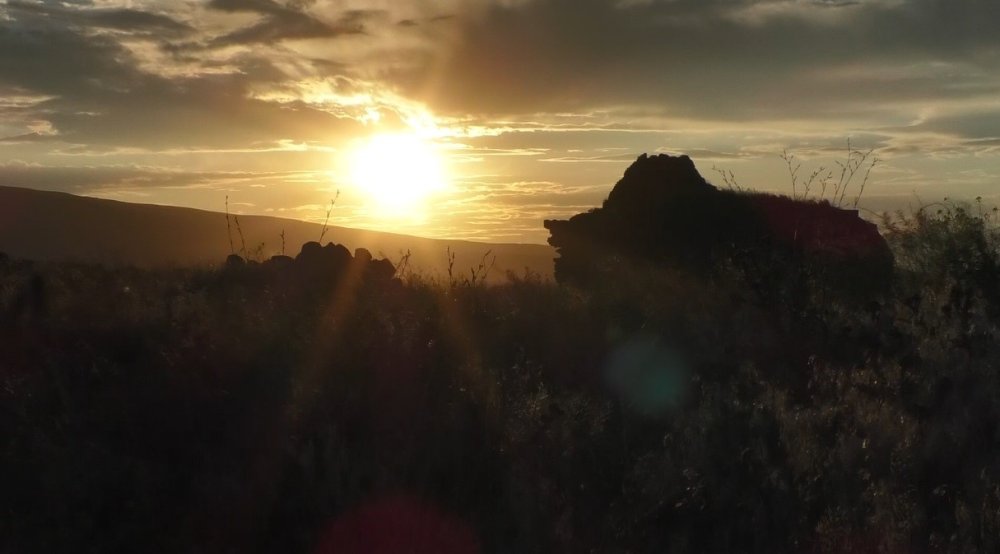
point(53, 226)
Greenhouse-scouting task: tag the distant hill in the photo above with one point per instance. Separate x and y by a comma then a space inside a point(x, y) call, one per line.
point(55, 226)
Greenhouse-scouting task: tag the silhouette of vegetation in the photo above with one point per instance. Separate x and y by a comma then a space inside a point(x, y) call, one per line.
point(229, 229)
point(326, 220)
point(321, 404)
point(857, 163)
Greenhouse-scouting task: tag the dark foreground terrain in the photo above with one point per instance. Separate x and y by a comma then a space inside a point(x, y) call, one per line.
point(265, 409)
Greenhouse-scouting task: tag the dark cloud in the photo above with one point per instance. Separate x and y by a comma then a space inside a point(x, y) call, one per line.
point(257, 6)
point(197, 113)
point(720, 59)
point(425, 21)
point(46, 58)
point(28, 138)
point(99, 96)
point(979, 126)
point(284, 22)
point(129, 20)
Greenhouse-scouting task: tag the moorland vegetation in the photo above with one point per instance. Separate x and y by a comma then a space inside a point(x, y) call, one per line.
point(302, 405)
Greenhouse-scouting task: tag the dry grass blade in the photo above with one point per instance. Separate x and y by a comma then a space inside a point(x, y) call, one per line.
point(326, 221)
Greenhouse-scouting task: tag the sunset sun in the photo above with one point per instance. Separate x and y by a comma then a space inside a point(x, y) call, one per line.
point(397, 171)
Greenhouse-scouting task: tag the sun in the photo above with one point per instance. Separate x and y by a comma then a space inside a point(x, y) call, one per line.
point(398, 171)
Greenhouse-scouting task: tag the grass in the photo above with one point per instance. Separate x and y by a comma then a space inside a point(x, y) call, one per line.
point(832, 183)
point(213, 411)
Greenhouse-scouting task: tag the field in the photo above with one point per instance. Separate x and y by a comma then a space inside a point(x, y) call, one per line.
point(251, 410)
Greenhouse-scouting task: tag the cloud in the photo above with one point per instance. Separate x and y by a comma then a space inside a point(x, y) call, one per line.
point(203, 112)
point(709, 59)
point(285, 22)
point(41, 56)
point(97, 95)
point(704, 60)
point(980, 125)
point(120, 19)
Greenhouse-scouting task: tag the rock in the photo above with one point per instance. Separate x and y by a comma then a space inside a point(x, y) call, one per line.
point(337, 254)
point(381, 270)
point(280, 261)
point(662, 212)
point(311, 251)
point(323, 261)
point(362, 255)
point(234, 261)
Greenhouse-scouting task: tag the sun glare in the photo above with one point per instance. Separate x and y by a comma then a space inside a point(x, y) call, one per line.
point(398, 171)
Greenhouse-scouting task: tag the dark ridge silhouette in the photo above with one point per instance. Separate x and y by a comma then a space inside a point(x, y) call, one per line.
point(663, 212)
point(52, 226)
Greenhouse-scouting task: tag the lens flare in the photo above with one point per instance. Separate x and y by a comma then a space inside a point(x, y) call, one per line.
point(648, 375)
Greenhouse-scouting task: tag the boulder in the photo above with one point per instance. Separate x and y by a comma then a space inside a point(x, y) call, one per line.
point(323, 261)
point(280, 261)
point(362, 255)
point(235, 261)
point(381, 270)
point(663, 212)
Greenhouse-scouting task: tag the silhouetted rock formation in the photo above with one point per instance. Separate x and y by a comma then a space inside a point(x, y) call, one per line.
point(329, 259)
point(663, 212)
point(380, 270)
point(362, 255)
point(315, 264)
point(280, 261)
point(235, 261)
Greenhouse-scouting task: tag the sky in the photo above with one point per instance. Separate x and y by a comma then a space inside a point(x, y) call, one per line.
point(531, 109)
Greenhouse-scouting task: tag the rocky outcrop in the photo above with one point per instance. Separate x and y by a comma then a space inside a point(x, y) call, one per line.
point(330, 259)
point(319, 263)
point(663, 212)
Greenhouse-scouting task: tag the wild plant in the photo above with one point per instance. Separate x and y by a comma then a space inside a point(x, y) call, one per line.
point(451, 265)
point(243, 242)
point(229, 228)
point(257, 253)
point(326, 222)
point(729, 179)
point(945, 237)
point(479, 273)
point(857, 165)
point(403, 265)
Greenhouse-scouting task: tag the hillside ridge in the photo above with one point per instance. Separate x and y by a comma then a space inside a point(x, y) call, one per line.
point(57, 226)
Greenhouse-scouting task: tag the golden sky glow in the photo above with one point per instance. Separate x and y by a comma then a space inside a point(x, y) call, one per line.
point(530, 109)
